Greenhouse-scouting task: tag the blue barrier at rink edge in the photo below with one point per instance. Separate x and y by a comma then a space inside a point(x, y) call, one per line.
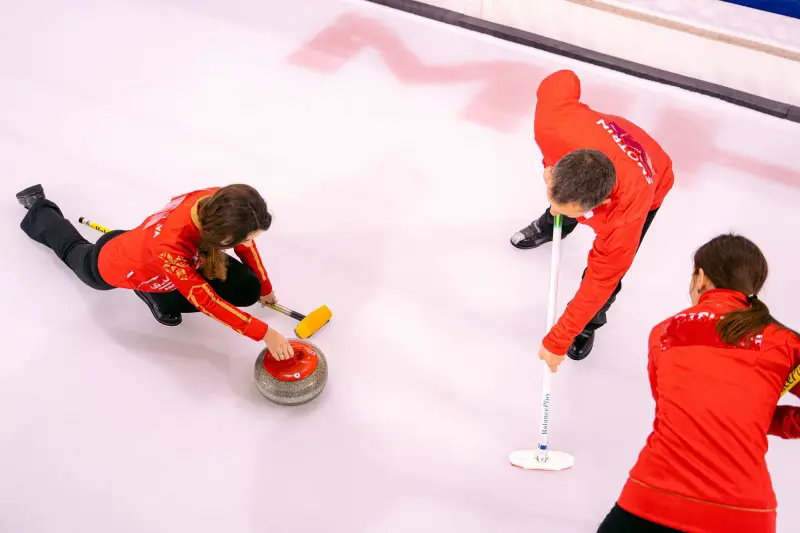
point(789, 8)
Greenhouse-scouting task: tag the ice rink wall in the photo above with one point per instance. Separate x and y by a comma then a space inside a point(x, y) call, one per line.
point(742, 55)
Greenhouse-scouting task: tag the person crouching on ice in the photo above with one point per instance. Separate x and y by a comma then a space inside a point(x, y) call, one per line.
point(716, 371)
point(602, 171)
point(175, 260)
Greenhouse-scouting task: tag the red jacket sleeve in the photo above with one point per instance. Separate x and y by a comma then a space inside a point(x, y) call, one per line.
point(610, 258)
point(178, 268)
point(557, 95)
point(249, 255)
point(786, 420)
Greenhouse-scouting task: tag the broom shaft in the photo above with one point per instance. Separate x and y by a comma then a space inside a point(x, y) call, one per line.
point(93, 225)
point(286, 311)
point(794, 378)
point(544, 429)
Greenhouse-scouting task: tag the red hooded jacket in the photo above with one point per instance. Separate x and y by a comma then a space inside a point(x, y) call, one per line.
point(703, 469)
point(161, 255)
point(644, 176)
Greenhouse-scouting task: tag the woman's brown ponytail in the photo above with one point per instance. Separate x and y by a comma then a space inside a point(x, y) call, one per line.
point(735, 263)
point(227, 218)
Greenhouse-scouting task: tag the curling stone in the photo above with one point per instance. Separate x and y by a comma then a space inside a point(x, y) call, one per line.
point(295, 381)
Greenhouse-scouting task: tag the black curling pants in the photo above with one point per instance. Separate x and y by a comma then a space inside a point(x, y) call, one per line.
point(568, 225)
point(621, 521)
point(45, 224)
point(241, 288)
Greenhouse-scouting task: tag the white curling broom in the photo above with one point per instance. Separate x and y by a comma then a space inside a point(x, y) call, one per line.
point(543, 458)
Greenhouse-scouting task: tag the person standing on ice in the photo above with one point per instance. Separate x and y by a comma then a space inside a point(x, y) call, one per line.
point(717, 370)
point(175, 261)
point(602, 171)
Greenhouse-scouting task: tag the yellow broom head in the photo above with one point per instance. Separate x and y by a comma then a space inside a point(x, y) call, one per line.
point(313, 322)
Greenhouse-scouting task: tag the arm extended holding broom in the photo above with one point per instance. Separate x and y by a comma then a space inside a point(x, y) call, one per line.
point(308, 326)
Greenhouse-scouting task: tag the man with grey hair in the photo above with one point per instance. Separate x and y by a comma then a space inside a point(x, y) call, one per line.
point(602, 171)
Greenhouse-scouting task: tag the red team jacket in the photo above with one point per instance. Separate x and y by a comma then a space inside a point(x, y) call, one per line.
point(644, 176)
point(161, 255)
point(703, 468)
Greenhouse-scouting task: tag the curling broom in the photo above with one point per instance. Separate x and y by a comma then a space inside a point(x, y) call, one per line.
point(308, 325)
point(94, 225)
point(794, 378)
point(543, 458)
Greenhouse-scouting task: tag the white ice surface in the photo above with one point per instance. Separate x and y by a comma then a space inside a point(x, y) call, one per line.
point(395, 191)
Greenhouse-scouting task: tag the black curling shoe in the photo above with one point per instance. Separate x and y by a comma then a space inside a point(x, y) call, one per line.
point(30, 196)
point(162, 317)
point(581, 346)
point(531, 237)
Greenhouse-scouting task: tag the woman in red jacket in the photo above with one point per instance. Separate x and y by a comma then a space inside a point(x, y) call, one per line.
point(716, 371)
point(175, 261)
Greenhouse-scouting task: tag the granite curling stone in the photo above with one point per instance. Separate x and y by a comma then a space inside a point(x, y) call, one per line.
point(296, 380)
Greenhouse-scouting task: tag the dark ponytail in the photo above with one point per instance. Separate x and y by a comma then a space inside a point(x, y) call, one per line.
point(735, 263)
point(740, 325)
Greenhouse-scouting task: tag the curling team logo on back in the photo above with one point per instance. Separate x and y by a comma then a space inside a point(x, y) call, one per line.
point(632, 148)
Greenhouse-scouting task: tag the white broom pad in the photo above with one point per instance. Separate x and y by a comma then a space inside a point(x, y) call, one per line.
point(531, 460)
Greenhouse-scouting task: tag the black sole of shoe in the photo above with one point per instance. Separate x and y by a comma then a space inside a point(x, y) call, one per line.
point(579, 358)
point(27, 198)
point(30, 191)
point(518, 247)
point(155, 316)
